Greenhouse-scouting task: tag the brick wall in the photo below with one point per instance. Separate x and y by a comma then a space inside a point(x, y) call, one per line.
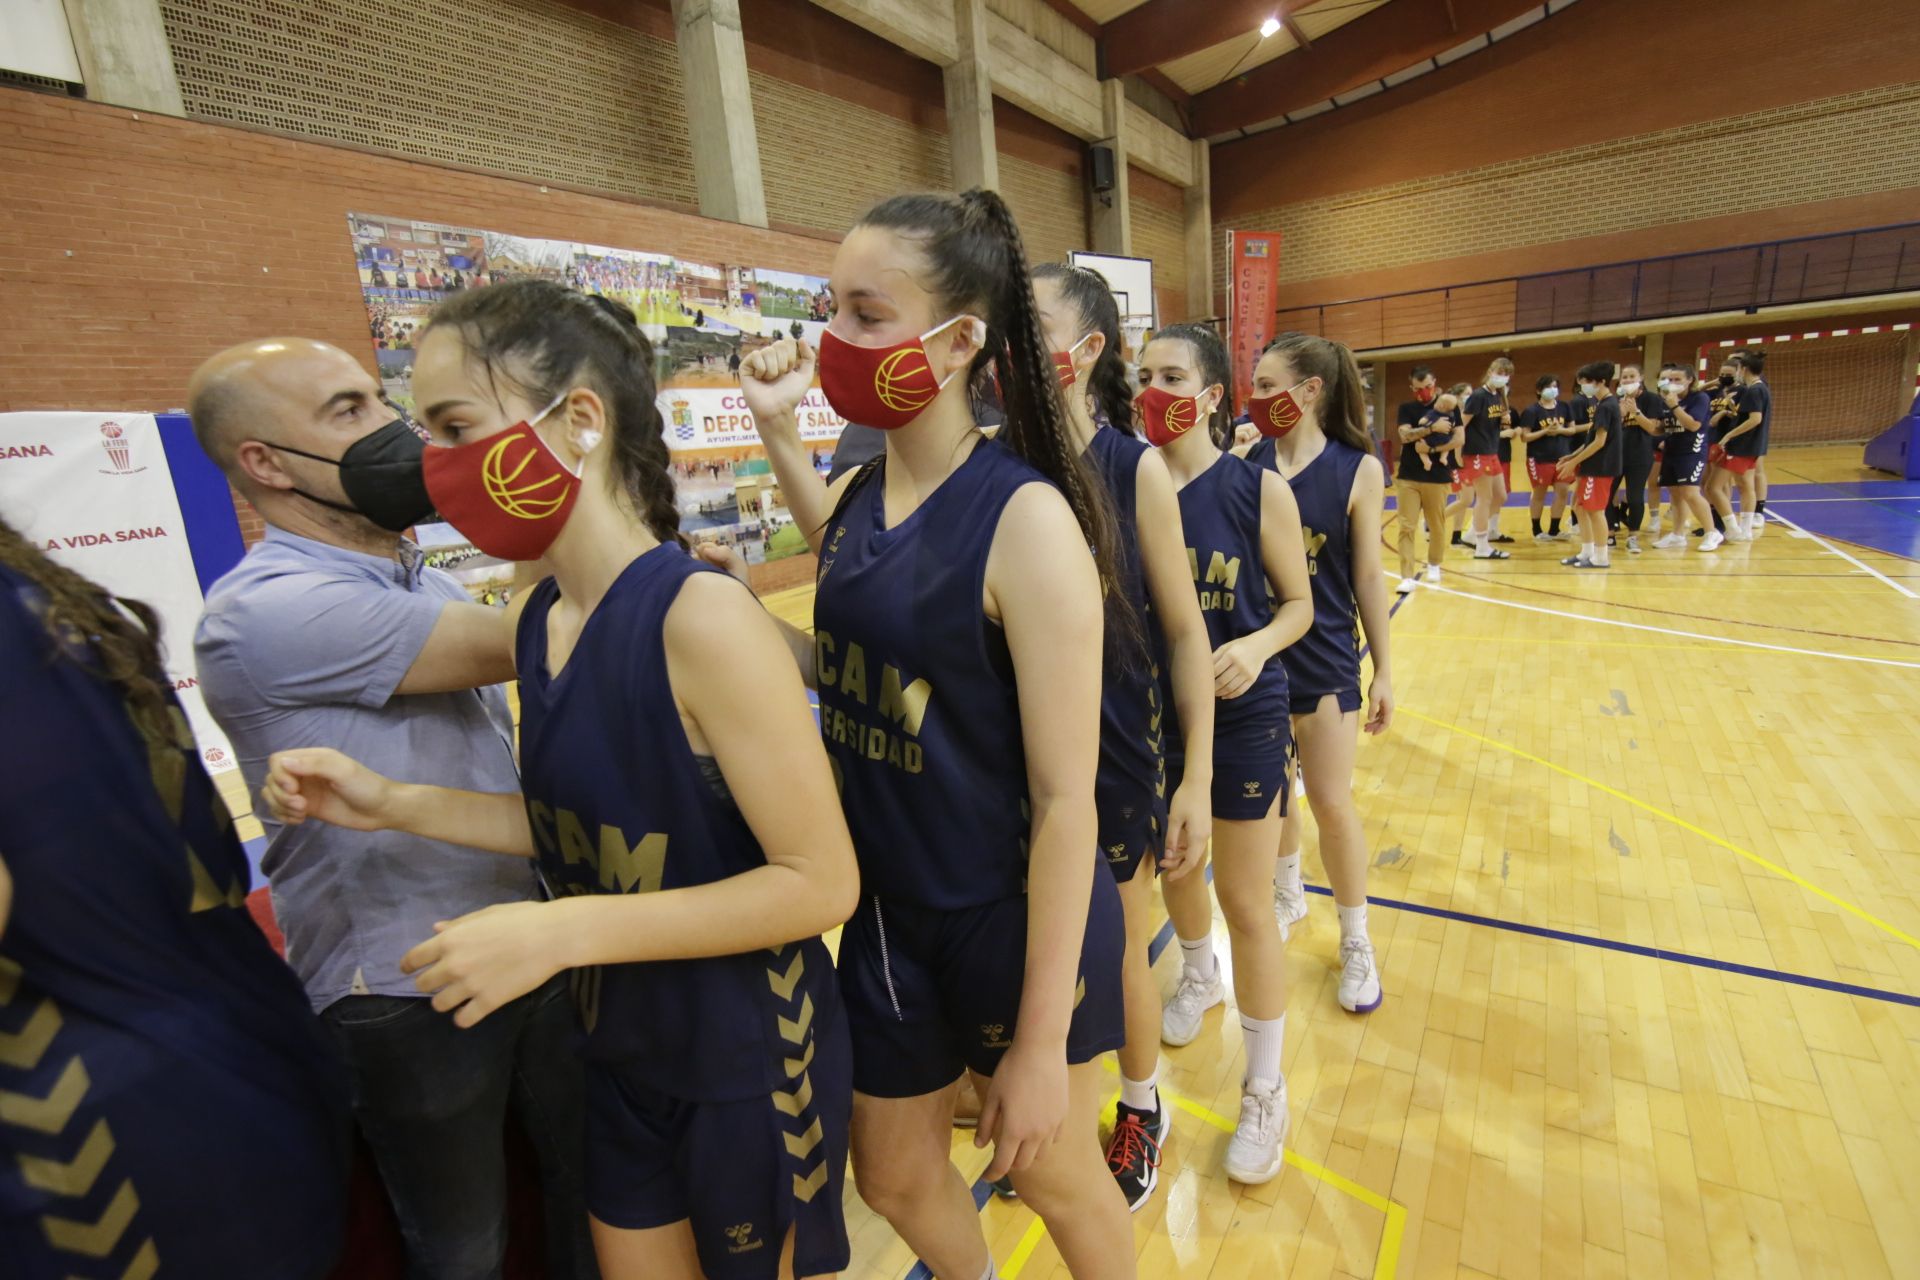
point(138, 245)
point(1555, 150)
point(1160, 233)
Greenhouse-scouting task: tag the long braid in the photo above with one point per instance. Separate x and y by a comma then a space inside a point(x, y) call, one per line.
point(1092, 297)
point(641, 458)
point(1037, 427)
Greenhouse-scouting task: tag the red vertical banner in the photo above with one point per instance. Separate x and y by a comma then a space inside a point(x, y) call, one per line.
point(1253, 276)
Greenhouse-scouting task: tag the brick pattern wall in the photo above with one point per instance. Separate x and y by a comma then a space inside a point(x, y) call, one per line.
point(528, 87)
point(137, 245)
point(1160, 233)
point(825, 160)
point(1849, 144)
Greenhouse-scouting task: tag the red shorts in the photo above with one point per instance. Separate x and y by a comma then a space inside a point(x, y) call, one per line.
point(1475, 465)
point(1544, 474)
point(1593, 492)
point(1734, 462)
point(1457, 483)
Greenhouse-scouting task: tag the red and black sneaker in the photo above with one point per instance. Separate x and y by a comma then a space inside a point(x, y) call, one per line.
point(1133, 1152)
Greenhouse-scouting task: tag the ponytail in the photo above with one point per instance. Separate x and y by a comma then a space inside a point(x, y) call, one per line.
point(979, 265)
point(1343, 412)
point(1092, 299)
point(1210, 359)
point(545, 338)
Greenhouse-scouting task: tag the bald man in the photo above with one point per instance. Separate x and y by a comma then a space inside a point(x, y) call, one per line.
point(331, 632)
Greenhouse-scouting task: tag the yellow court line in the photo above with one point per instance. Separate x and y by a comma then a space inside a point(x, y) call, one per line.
point(1530, 641)
point(1676, 820)
point(1017, 1260)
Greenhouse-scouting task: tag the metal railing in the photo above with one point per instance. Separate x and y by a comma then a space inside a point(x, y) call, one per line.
point(1743, 278)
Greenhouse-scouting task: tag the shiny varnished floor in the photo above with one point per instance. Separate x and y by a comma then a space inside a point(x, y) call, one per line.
point(1645, 853)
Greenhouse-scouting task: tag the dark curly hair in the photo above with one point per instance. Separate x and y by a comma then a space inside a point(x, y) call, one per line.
point(543, 338)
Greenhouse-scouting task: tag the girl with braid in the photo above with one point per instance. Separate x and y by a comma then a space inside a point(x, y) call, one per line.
point(958, 646)
point(1138, 822)
point(675, 795)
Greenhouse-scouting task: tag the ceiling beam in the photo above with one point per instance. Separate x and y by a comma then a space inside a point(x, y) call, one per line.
point(1071, 12)
point(1160, 31)
point(1295, 30)
point(1389, 39)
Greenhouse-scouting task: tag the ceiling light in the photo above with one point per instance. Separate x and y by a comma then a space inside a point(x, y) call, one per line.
point(1268, 27)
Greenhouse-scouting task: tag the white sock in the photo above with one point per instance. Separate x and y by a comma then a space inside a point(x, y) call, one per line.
point(1586, 551)
point(1286, 873)
point(1353, 921)
point(1198, 956)
point(1264, 1042)
point(1141, 1095)
point(1602, 556)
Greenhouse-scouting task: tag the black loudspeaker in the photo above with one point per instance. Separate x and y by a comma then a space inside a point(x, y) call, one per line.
point(1100, 169)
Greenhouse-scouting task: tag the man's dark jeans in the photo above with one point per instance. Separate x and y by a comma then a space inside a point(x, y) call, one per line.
point(432, 1100)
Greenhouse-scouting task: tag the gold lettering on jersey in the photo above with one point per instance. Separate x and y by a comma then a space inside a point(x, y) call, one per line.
point(1314, 542)
point(621, 866)
point(903, 704)
point(1217, 586)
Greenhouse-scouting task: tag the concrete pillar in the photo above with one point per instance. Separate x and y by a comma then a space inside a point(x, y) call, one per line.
point(969, 86)
point(124, 55)
point(1199, 229)
point(1652, 355)
point(713, 72)
point(1110, 214)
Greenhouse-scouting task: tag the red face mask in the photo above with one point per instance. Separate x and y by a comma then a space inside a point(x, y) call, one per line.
point(1275, 416)
point(507, 494)
point(1063, 363)
point(884, 387)
point(1167, 416)
point(1425, 395)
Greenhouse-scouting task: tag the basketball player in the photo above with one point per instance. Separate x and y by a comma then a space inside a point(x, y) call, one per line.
point(1137, 823)
point(1684, 454)
point(1424, 478)
point(1249, 566)
point(1308, 402)
point(1544, 429)
point(207, 1092)
point(1488, 418)
point(1595, 463)
point(1748, 427)
point(958, 645)
point(676, 797)
point(1642, 410)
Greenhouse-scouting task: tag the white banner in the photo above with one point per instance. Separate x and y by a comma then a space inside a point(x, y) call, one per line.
point(94, 492)
point(710, 418)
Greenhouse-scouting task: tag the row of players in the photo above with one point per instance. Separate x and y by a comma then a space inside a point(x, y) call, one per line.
point(1607, 452)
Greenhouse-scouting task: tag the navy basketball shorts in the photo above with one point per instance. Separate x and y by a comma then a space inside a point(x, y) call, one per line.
point(1305, 704)
point(744, 1173)
point(1683, 469)
point(1133, 823)
point(1250, 761)
point(930, 993)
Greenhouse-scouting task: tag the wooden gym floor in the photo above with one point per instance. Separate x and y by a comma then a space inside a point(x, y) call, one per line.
point(1645, 848)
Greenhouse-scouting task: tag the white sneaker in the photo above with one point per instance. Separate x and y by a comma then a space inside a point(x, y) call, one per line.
point(1257, 1150)
point(1756, 524)
point(1671, 541)
point(1737, 530)
point(1633, 544)
point(1289, 907)
point(1653, 524)
point(1180, 1020)
point(1431, 573)
point(1359, 976)
point(1712, 541)
point(1406, 587)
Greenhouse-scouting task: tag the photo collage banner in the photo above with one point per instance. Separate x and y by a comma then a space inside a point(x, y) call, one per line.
point(702, 319)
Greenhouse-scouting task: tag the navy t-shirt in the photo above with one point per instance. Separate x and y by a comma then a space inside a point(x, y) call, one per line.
point(1754, 398)
point(1677, 442)
point(619, 803)
point(196, 1090)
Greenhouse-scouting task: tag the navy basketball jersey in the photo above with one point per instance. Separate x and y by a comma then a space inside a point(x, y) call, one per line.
point(619, 803)
point(1220, 511)
point(917, 700)
point(1679, 443)
point(166, 1093)
point(1133, 767)
point(1327, 658)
